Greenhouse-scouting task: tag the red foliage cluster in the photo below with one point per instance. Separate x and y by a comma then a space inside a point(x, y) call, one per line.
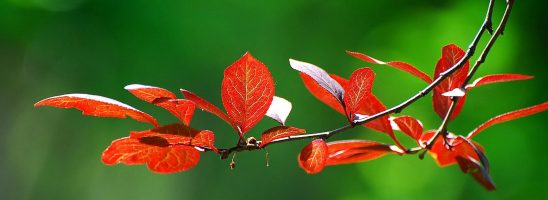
point(248, 95)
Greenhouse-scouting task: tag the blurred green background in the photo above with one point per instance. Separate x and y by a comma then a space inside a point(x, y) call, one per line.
point(53, 47)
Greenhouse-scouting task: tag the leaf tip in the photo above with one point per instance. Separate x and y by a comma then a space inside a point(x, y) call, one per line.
point(134, 86)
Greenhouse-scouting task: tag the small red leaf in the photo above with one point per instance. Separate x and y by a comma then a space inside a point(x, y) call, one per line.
point(170, 159)
point(149, 93)
point(180, 108)
point(313, 156)
point(472, 160)
point(510, 116)
point(497, 78)
point(372, 106)
point(97, 106)
point(320, 77)
point(206, 106)
point(396, 64)
point(279, 132)
point(279, 109)
point(444, 156)
point(179, 134)
point(321, 94)
point(410, 126)
point(247, 92)
point(451, 55)
point(351, 151)
point(471, 166)
point(357, 91)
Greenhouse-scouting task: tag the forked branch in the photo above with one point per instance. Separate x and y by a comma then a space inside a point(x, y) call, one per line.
point(485, 26)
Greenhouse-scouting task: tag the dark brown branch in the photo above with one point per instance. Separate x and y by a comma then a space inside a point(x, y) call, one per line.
point(486, 26)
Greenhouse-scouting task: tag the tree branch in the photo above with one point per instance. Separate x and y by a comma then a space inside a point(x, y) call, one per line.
point(486, 26)
point(481, 59)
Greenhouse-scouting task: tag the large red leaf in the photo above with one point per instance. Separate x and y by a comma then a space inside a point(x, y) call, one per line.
point(357, 91)
point(313, 156)
point(180, 108)
point(396, 64)
point(509, 116)
point(451, 55)
point(279, 132)
point(247, 92)
point(497, 78)
point(410, 126)
point(159, 158)
point(177, 134)
point(321, 77)
point(209, 107)
point(351, 151)
point(97, 106)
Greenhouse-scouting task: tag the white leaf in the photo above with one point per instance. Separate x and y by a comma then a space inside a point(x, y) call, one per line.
point(279, 109)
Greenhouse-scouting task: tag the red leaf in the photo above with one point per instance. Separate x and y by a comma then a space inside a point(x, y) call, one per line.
point(180, 108)
point(351, 151)
point(313, 157)
point(444, 156)
point(97, 106)
point(159, 159)
point(320, 77)
point(497, 78)
point(357, 91)
point(279, 109)
point(179, 134)
point(396, 64)
point(149, 93)
point(510, 116)
point(382, 124)
point(321, 94)
point(372, 106)
point(451, 55)
point(472, 160)
point(206, 106)
point(247, 92)
point(410, 126)
point(279, 132)
point(471, 166)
